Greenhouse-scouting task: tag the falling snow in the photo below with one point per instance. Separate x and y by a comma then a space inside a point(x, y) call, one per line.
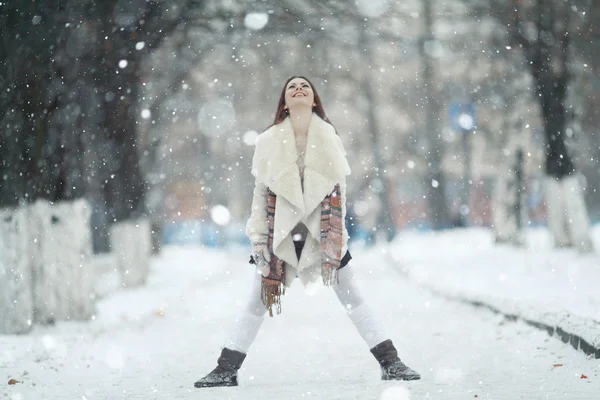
point(256, 21)
point(128, 136)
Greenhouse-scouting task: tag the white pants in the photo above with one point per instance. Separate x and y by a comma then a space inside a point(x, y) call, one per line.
point(247, 325)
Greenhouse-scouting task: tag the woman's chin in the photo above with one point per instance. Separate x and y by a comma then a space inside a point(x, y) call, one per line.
point(298, 105)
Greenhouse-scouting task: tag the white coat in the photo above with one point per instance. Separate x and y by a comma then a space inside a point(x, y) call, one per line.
point(274, 166)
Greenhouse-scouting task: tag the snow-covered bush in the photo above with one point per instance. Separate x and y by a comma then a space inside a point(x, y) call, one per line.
point(567, 213)
point(61, 261)
point(107, 274)
point(131, 242)
point(16, 297)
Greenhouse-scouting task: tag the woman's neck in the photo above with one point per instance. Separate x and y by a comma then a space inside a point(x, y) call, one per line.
point(300, 119)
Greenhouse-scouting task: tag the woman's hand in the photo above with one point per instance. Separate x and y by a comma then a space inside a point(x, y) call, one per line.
point(261, 256)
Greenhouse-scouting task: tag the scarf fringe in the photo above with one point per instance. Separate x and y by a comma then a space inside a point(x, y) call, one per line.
point(272, 287)
point(271, 292)
point(330, 275)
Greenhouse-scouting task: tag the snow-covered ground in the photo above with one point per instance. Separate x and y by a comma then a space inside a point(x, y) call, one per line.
point(154, 342)
point(558, 287)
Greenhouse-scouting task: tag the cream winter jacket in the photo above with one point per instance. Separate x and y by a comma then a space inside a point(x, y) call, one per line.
point(274, 166)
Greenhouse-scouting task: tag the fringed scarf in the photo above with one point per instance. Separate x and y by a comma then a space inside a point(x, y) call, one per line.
point(331, 248)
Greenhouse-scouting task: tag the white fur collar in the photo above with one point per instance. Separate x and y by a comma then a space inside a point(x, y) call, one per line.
point(275, 163)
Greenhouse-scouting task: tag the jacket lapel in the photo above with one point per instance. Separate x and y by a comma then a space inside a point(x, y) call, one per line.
point(325, 163)
point(275, 165)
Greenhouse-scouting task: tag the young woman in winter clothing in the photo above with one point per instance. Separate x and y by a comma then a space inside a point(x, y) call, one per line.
point(297, 229)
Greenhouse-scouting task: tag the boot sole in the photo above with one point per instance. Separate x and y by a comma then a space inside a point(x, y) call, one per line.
point(405, 378)
point(215, 384)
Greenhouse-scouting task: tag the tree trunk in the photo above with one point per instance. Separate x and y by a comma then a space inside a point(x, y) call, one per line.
point(508, 201)
point(552, 92)
point(547, 57)
point(385, 219)
point(124, 187)
point(436, 181)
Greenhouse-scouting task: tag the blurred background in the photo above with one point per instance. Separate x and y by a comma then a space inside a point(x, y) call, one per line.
point(126, 125)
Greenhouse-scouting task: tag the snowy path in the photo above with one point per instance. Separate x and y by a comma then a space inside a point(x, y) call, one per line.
point(154, 342)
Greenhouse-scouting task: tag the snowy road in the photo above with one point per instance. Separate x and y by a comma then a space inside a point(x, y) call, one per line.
point(154, 342)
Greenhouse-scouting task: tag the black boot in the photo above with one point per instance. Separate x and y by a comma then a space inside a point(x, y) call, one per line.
point(391, 366)
point(225, 374)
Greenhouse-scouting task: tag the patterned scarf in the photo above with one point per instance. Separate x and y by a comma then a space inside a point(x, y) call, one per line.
point(331, 248)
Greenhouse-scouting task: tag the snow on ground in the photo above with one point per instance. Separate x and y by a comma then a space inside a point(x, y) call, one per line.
point(559, 287)
point(154, 342)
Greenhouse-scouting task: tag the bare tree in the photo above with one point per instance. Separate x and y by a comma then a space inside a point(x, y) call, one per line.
point(545, 33)
point(436, 182)
point(71, 85)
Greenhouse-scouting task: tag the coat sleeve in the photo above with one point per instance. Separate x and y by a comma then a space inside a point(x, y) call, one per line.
point(257, 227)
point(344, 230)
point(343, 194)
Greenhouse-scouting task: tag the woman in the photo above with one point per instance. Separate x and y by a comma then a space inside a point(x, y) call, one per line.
point(297, 229)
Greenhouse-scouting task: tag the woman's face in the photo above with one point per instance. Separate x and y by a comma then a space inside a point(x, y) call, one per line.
point(298, 93)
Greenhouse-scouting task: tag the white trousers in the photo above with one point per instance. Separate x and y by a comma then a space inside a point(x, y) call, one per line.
point(247, 325)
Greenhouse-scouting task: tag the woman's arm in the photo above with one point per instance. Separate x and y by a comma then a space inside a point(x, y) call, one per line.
point(257, 227)
point(344, 230)
point(343, 194)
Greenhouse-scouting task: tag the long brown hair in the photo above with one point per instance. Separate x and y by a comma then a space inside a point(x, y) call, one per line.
point(282, 113)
